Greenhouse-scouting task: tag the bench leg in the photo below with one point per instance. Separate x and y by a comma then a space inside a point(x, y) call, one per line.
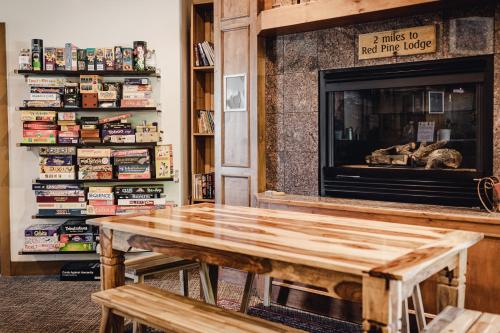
point(183, 275)
point(405, 320)
point(245, 300)
point(268, 290)
point(418, 305)
point(206, 284)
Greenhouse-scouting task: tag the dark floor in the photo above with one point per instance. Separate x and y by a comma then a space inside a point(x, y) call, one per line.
point(47, 305)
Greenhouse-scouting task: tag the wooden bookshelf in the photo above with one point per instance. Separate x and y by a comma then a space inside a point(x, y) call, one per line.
point(201, 93)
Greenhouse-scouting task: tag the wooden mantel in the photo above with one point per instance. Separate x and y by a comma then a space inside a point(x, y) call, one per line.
point(323, 13)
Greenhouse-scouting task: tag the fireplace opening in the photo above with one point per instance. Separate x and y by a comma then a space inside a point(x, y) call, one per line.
point(418, 132)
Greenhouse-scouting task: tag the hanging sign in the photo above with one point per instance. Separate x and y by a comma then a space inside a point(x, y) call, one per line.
point(393, 43)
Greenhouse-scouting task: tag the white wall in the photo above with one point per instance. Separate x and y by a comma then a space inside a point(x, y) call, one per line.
point(89, 23)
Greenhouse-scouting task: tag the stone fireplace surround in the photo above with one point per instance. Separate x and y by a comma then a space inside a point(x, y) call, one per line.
point(291, 94)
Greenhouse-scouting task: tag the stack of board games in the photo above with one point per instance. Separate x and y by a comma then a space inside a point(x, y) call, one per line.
point(72, 58)
point(101, 201)
point(147, 132)
point(94, 164)
point(69, 131)
point(132, 163)
point(89, 132)
point(39, 127)
point(45, 92)
point(77, 236)
point(57, 163)
point(139, 198)
point(60, 200)
point(41, 238)
point(81, 271)
point(164, 166)
point(137, 92)
point(117, 131)
point(204, 186)
point(71, 98)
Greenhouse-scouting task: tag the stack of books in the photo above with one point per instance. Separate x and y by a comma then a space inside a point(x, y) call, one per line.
point(132, 163)
point(206, 122)
point(101, 201)
point(77, 236)
point(94, 164)
point(90, 131)
point(204, 186)
point(57, 163)
point(41, 238)
point(139, 198)
point(69, 132)
point(204, 54)
point(45, 92)
point(137, 92)
point(60, 200)
point(39, 127)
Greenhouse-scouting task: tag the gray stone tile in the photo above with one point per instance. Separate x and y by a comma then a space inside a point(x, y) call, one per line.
point(274, 93)
point(275, 132)
point(300, 52)
point(301, 172)
point(300, 92)
point(275, 171)
point(274, 55)
point(336, 48)
point(301, 131)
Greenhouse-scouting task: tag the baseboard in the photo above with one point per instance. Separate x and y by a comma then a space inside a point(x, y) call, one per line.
point(35, 267)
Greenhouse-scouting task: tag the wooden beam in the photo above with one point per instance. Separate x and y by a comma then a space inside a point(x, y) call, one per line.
point(323, 13)
point(5, 264)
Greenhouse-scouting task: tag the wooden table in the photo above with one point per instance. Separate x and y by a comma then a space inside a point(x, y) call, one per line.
point(377, 263)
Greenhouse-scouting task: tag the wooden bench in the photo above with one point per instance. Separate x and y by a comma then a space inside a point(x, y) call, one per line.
point(173, 313)
point(138, 268)
point(457, 320)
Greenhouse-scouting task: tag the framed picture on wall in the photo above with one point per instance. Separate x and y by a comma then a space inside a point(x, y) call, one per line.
point(436, 101)
point(235, 92)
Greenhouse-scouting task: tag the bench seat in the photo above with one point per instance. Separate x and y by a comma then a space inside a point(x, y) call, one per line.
point(457, 320)
point(173, 313)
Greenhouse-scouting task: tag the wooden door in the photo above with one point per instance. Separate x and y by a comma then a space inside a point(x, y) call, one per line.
point(239, 140)
point(4, 162)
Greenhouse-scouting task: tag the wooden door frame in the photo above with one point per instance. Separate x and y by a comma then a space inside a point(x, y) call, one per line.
point(5, 264)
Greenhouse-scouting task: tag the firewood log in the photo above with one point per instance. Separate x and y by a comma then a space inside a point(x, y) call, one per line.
point(424, 150)
point(396, 150)
point(450, 158)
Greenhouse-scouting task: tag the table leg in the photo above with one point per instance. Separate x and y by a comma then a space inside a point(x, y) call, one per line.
point(112, 276)
point(451, 284)
point(382, 305)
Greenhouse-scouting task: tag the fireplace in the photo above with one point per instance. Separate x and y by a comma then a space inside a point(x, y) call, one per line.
point(419, 132)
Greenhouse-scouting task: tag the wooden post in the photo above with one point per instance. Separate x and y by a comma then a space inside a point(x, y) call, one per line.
point(382, 305)
point(451, 284)
point(112, 276)
point(5, 264)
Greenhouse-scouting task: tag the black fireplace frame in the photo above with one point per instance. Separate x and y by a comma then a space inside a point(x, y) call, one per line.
point(442, 187)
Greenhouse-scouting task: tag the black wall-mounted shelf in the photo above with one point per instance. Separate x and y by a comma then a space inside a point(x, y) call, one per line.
point(29, 253)
point(82, 145)
point(78, 73)
point(80, 181)
point(140, 109)
point(38, 216)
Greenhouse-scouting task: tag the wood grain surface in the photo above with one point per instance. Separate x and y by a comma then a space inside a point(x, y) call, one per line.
point(338, 244)
point(456, 320)
point(167, 311)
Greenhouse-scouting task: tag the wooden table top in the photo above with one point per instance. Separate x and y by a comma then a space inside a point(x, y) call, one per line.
point(335, 243)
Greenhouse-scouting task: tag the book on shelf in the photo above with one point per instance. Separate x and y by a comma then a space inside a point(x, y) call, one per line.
point(204, 186)
point(204, 54)
point(205, 122)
